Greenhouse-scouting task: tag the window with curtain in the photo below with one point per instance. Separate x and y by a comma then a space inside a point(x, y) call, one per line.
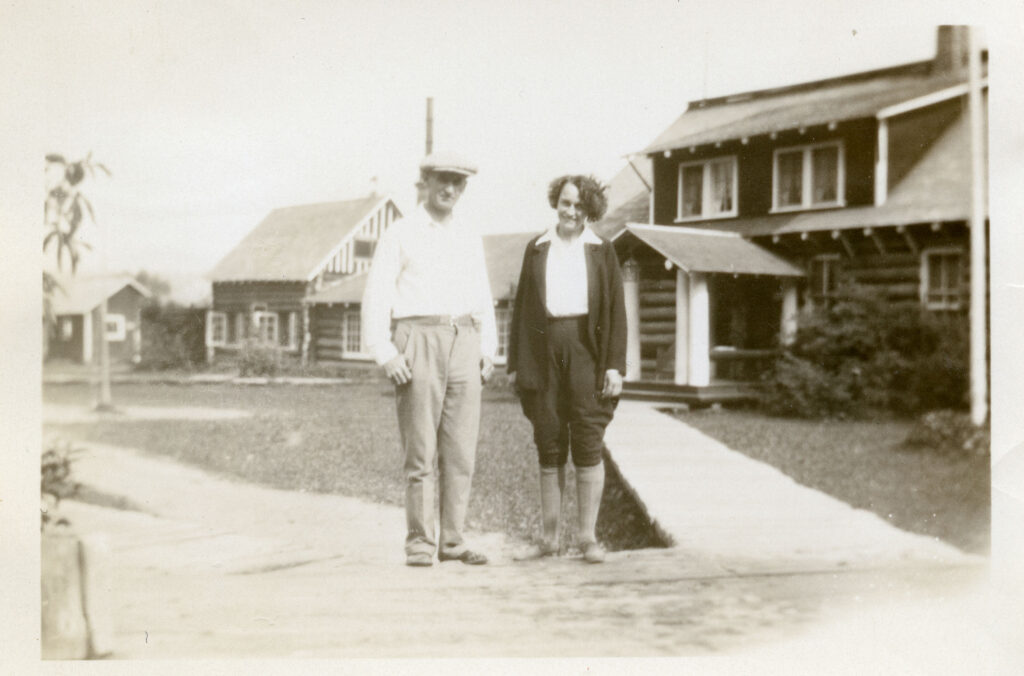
point(942, 273)
point(707, 189)
point(808, 176)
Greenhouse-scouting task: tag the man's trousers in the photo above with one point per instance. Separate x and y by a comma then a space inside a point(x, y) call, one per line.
point(439, 419)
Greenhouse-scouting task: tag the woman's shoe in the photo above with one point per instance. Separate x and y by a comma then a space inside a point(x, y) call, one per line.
point(593, 553)
point(533, 552)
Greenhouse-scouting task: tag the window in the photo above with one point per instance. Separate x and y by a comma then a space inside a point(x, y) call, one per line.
point(363, 248)
point(350, 333)
point(941, 276)
point(67, 328)
point(807, 177)
point(115, 327)
point(266, 328)
point(824, 276)
point(503, 320)
point(707, 189)
point(216, 329)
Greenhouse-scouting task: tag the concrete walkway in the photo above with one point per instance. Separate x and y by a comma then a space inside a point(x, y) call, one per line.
point(209, 567)
point(714, 500)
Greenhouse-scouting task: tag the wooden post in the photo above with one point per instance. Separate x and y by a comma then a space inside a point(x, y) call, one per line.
point(682, 374)
point(631, 288)
point(789, 311)
point(882, 163)
point(104, 396)
point(699, 331)
point(979, 273)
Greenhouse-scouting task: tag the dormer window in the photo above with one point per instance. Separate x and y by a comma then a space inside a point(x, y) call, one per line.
point(808, 177)
point(707, 189)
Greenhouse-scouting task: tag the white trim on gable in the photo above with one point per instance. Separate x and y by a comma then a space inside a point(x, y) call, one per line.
point(363, 222)
point(926, 100)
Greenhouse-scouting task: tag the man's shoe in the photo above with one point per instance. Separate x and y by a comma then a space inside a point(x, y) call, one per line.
point(593, 553)
point(467, 556)
point(419, 560)
point(533, 552)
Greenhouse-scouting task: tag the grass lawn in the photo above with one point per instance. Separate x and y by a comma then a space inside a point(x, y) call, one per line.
point(863, 464)
point(343, 439)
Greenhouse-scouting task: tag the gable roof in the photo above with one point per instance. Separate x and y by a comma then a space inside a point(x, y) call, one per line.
point(694, 250)
point(504, 258)
point(629, 194)
point(79, 295)
point(346, 290)
point(813, 103)
point(291, 243)
point(504, 255)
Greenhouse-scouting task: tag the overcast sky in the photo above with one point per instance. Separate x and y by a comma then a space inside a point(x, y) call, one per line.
point(210, 114)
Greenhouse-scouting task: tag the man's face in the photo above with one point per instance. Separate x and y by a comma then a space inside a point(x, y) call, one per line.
point(443, 190)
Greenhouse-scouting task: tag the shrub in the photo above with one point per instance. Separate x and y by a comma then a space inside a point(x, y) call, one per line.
point(256, 360)
point(173, 337)
point(948, 432)
point(56, 483)
point(864, 355)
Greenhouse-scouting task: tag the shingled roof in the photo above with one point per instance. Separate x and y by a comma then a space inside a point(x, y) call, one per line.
point(78, 295)
point(806, 104)
point(695, 250)
point(291, 243)
point(504, 254)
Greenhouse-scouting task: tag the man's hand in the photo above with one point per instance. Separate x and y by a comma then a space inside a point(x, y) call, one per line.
point(398, 370)
point(486, 369)
point(612, 384)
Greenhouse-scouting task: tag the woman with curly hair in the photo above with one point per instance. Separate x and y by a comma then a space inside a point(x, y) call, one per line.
point(567, 354)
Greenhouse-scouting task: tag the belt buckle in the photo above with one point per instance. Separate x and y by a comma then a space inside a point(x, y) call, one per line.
point(452, 321)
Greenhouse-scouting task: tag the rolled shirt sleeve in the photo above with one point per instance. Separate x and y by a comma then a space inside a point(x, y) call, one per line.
point(379, 297)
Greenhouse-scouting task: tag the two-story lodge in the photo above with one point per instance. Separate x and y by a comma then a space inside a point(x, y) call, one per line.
point(763, 201)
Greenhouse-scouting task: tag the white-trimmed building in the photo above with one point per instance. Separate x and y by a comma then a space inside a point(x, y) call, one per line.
point(260, 288)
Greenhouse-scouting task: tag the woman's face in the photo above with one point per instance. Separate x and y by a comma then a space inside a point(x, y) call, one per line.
point(570, 213)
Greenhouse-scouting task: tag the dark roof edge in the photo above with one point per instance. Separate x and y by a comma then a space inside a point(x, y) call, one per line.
point(914, 68)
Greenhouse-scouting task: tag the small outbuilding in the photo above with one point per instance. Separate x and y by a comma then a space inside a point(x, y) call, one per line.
point(76, 307)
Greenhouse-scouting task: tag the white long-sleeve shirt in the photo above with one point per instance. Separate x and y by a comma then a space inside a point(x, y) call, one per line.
point(422, 267)
point(566, 273)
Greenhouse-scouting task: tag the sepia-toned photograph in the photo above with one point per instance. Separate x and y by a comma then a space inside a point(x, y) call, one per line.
point(566, 331)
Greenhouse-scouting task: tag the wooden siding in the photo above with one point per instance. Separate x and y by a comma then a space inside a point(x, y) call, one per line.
point(240, 296)
point(911, 134)
point(882, 258)
point(327, 336)
point(755, 160)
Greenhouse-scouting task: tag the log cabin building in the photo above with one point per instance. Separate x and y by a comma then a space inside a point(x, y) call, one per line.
point(261, 287)
point(762, 202)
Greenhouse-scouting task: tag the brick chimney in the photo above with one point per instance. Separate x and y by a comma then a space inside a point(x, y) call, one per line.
point(951, 51)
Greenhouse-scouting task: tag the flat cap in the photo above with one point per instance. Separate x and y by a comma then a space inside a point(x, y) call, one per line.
point(443, 160)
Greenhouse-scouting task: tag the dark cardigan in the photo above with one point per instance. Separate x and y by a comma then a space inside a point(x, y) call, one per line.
point(606, 319)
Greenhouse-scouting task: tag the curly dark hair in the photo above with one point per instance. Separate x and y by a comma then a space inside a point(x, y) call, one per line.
point(593, 201)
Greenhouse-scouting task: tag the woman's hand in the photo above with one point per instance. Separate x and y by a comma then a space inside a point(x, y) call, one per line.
point(612, 384)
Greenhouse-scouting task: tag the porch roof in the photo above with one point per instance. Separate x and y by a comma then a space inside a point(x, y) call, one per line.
point(695, 250)
point(347, 290)
point(79, 295)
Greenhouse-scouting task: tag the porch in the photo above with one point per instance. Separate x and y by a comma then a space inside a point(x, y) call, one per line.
point(706, 313)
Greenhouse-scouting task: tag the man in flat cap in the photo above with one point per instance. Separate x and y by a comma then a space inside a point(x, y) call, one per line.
point(428, 282)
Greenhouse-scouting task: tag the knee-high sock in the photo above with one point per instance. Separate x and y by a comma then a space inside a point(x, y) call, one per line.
point(552, 484)
point(589, 486)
